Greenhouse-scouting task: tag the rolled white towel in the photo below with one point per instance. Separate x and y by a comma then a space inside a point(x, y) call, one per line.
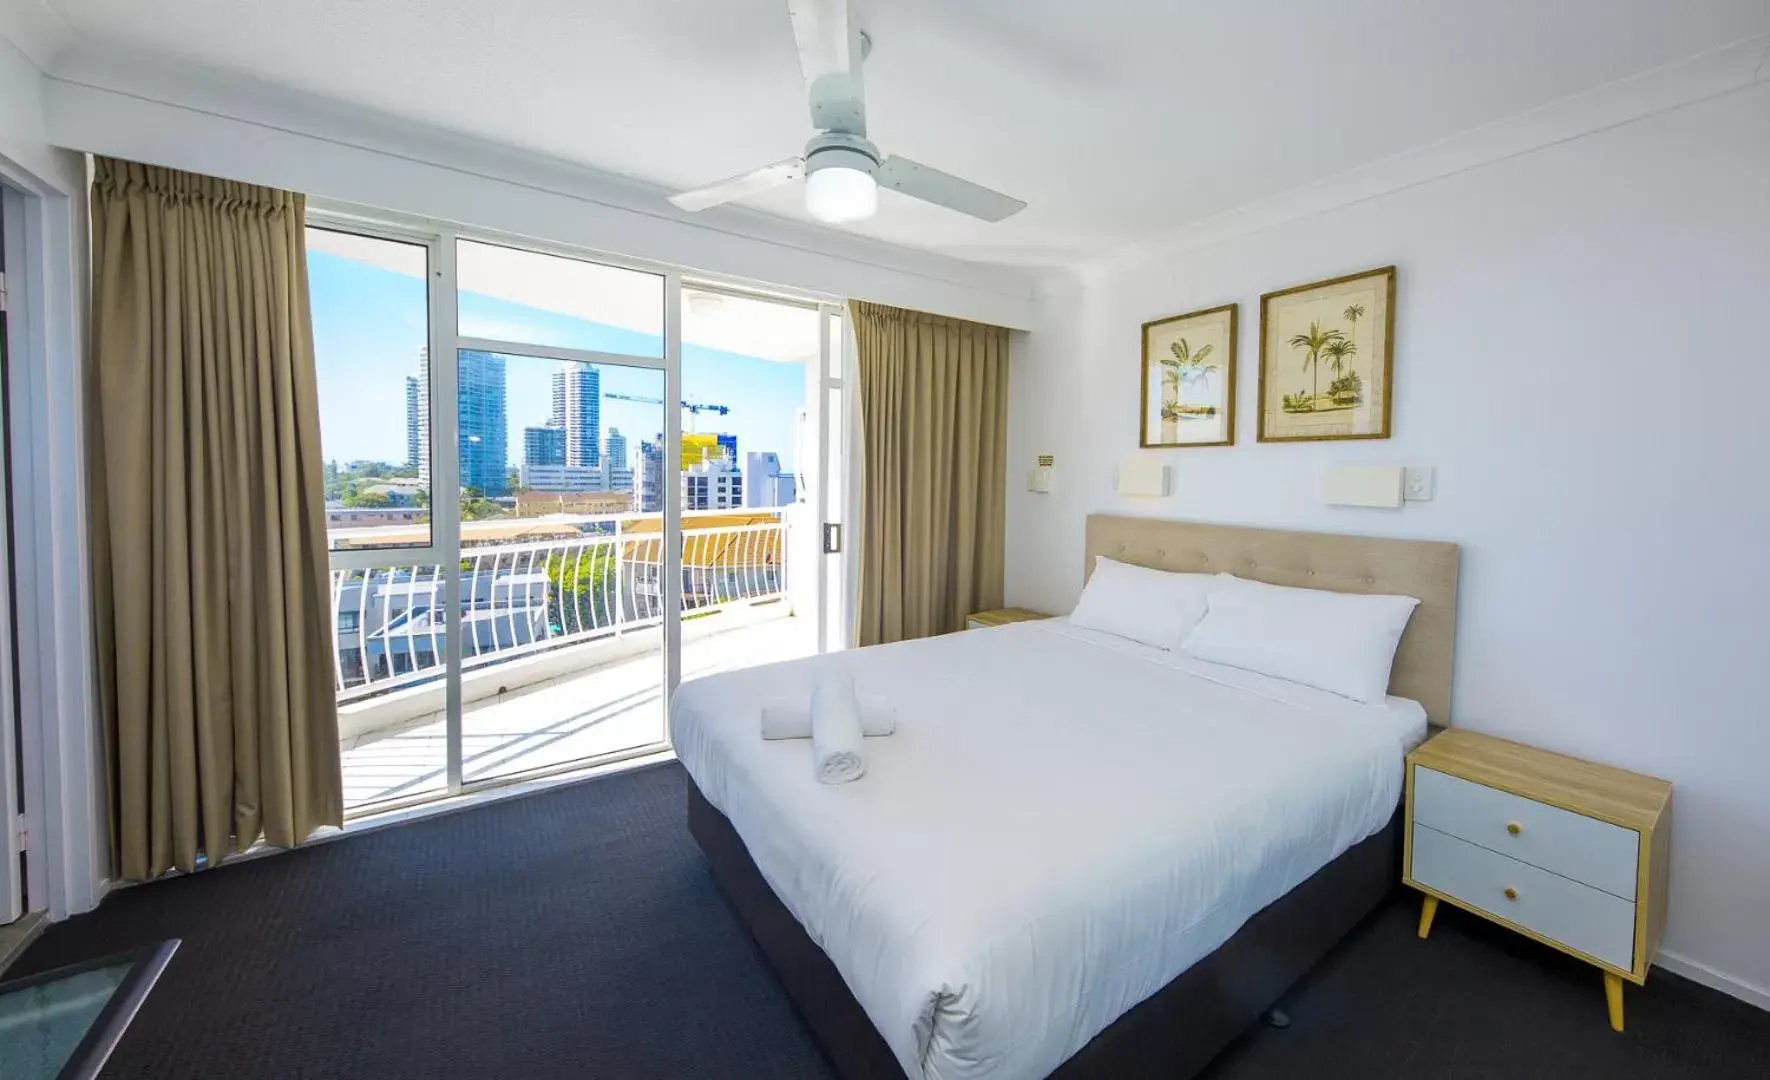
point(838, 745)
point(787, 719)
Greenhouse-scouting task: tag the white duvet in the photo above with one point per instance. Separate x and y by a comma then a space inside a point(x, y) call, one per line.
point(1063, 822)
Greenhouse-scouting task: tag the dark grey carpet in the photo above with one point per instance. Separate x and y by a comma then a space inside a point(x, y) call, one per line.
point(577, 933)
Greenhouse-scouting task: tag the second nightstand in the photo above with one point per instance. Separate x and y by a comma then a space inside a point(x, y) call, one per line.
point(1573, 854)
point(978, 620)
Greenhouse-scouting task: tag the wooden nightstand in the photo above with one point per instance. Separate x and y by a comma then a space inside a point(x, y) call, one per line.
point(1573, 854)
point(978, 620)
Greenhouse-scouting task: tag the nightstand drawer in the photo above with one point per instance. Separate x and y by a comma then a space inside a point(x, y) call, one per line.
point(1582, 918)
point(1585, 849)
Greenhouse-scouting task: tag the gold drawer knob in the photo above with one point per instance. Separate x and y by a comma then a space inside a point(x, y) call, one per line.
point(1511, 894)
point(1514, 828)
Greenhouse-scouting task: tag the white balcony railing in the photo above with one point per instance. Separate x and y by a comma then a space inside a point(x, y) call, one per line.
point(390, 629)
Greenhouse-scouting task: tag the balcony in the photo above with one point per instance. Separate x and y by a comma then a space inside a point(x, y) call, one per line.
point(561, 643)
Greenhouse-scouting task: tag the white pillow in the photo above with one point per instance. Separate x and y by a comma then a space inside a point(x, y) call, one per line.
point(1343, 642)
point(1156, 607)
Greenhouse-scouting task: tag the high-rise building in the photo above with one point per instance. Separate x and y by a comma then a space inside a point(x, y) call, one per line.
point(577, 478)
point(543, 445)
point(715, 484)
point(762, 470)
point(698, 448)
point(648, 476)
point(617, 468)
point(423, 419)
point(416, 421)
point(577, 410)
point(543, 457)
point(707, 446)
point(484, 429)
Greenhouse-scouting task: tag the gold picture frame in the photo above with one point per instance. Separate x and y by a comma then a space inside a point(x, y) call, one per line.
point(1346, 324)
point(1193, 402)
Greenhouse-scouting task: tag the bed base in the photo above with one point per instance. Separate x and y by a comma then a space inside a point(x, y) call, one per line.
point(1172, 1034)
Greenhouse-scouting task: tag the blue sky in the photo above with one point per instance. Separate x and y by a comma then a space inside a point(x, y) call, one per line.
point(369, 324)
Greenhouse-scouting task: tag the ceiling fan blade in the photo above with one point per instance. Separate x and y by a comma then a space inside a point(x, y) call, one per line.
point(830, 55)
point(738, 187)
point(945, 189)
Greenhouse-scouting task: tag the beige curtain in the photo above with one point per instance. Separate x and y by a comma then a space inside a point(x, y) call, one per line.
point(208, 511)
point(934, 408)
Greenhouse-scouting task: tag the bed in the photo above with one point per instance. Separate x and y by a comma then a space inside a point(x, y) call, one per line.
point(1078, 855)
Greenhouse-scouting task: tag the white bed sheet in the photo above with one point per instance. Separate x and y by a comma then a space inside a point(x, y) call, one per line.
point(1063, 822)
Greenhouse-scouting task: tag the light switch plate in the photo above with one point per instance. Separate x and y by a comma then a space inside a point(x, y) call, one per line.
point(1417, 483)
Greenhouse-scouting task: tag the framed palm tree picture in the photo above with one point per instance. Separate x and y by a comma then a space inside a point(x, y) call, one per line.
point(1189, 379)
point(1326, 360)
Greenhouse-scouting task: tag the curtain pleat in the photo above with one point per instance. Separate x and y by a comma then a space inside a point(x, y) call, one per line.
point(934, 401)
point(208, 513)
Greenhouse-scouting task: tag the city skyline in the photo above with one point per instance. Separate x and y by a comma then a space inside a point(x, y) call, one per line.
point(370, 325)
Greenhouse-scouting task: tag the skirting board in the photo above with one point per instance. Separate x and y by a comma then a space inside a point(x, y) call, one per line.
point(1715, 980)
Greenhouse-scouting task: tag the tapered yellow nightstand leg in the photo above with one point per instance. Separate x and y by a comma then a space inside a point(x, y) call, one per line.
point(1427, 911)
point(1613, 998)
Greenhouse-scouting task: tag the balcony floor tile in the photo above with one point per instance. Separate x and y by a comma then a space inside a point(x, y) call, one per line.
point(566, 718)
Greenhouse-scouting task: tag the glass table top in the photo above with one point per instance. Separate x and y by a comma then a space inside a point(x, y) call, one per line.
point(63, 1024)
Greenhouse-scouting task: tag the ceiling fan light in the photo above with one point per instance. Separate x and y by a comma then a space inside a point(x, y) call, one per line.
point(838, 194)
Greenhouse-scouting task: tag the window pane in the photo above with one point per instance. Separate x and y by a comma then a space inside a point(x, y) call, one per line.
point(388, 659)
point(523, 296)
point(561, 586)
point(371, 331)
point(749, 575)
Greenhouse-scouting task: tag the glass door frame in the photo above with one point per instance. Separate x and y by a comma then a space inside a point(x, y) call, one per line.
point(444, 547)
point(834, 438)
point(12, 883)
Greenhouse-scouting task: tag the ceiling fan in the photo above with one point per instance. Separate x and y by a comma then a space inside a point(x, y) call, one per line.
point(843, 170)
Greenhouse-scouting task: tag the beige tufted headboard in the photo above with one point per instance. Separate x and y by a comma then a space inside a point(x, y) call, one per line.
point(1423, 569)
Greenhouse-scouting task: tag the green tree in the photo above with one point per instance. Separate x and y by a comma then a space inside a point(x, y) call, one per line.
point(476, 507)
point(1189, 366)
point(1337, 351)
point(1182, 368)
point(367, 500)
point(1353, 313)
point(581, 593)
point(1313, 343)
point(1343, 390)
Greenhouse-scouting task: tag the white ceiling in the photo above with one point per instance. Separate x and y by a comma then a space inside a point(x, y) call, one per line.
point(1115, 121)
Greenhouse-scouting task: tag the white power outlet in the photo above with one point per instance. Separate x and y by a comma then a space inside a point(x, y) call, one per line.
point(1416, 484)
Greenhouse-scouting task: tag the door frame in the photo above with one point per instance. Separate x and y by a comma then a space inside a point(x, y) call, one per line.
point(66, 842)
point(12, 813)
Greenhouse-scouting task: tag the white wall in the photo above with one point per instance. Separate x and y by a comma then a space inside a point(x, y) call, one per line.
point(1581, 352)
point(185, 117)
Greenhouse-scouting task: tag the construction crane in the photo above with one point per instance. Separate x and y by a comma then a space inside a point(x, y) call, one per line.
point(693, 408)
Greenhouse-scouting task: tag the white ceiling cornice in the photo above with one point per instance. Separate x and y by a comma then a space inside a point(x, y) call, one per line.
point(1721, 71)
point(37, 32)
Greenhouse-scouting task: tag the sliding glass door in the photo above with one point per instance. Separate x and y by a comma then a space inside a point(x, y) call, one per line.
point(373, 309)
point(595, 551)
